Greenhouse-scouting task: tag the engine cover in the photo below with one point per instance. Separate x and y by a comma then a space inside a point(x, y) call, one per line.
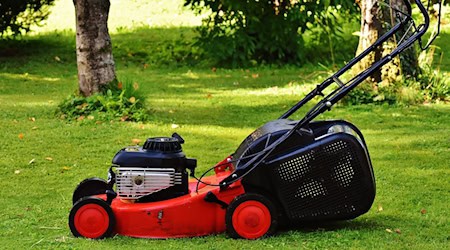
point(154, 172)
point(134, 183)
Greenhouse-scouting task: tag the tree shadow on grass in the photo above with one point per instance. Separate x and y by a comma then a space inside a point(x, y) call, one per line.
point(33, 48)
point(47, 63)
point(232, 115)
point(137, 52)
point(140, 47)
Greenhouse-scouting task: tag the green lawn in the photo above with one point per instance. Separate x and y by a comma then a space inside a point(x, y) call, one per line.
point(43, 158)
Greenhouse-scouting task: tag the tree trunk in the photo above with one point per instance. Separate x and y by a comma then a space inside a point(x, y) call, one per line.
point(409, 58)
point(371, 29)
point(377, 19)
point(94, 50)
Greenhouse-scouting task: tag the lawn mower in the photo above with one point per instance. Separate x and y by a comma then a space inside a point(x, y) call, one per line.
point(286, 172)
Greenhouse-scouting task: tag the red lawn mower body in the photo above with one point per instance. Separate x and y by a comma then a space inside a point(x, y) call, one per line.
point(184, 216)
point(200, 212)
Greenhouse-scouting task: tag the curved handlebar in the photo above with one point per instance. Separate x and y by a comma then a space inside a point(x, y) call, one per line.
point(344, 88)
point(423, 28)
point(408, 6)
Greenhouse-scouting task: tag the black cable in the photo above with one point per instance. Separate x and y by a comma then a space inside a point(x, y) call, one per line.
point(199, 180)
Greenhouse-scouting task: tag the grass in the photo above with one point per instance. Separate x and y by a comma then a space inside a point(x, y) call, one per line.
point(44, 158)
point(125, 15)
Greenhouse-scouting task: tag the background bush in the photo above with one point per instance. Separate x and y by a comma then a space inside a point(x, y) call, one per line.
point(118, 101)
point(430, 85)
point(248, 32)
point(17, 16)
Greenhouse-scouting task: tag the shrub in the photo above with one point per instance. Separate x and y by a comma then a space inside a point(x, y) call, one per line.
point(433, 84)
point(17, 16)
point(118, 101)
point(171, 47)
point(430, 85)
point(247, 32)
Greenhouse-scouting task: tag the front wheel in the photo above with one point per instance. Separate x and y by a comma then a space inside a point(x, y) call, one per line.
point(251, 216)
point(92, 218)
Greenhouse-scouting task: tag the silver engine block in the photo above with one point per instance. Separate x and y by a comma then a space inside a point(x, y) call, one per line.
point(135, 182)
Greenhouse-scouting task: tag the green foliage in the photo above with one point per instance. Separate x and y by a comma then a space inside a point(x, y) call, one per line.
point(248, 32)
point(17, 16)
point(360, 95)
point(430, 85)
point(433, 84)
point(331, 41)
point(116, 102)
point(173, 48)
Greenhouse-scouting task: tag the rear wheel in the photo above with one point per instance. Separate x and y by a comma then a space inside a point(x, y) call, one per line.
point(251, 216)
point(89, 187)
point(92, 218)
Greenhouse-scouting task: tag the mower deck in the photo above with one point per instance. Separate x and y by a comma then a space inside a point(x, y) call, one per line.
point(185, 216)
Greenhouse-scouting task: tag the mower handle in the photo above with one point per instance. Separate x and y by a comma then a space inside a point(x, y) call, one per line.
point(343, 87)
point(418, 32)
point(435, 33)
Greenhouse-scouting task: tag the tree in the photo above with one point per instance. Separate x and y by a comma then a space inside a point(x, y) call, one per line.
point(376, 19)
point(93, 44)
point(103, 97)
point(17, 16)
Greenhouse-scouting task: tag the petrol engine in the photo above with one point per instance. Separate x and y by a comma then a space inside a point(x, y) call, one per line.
point(156, 171)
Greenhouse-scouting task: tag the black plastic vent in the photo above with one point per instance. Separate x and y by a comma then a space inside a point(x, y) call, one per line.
point(327, 181)
point(163, 144)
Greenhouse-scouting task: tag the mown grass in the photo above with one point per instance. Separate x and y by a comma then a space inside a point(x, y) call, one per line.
point(43, 158)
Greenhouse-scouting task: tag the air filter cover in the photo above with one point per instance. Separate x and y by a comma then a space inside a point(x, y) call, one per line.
point(163, 144)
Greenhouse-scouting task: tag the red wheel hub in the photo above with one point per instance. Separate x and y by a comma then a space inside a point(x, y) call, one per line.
point(91, 220)
point(251, 219)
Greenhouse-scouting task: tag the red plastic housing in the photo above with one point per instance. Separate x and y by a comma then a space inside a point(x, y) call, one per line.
point(185, 216)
